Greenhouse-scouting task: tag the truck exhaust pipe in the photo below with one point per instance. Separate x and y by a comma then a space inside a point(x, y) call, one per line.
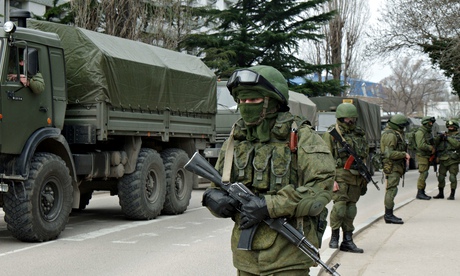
point(20, 17)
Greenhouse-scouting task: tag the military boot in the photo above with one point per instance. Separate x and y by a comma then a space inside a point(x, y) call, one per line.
point(334, 243)
point(390, 218)
point(440, 194)
point(348, 245)
point(452, 194)
point(421, 195)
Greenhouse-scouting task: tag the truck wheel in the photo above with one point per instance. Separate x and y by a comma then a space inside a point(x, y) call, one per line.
point(39, 210)
point(142, 193)
point(84, 200)
point(178, 181)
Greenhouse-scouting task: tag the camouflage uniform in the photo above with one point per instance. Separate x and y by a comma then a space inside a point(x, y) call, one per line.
point(393, 148)
point(425, 149)
point(288, 182)
point(447, 146)
point(351, 184)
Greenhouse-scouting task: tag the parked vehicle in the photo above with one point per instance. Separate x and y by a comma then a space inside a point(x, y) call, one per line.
point(116, 115)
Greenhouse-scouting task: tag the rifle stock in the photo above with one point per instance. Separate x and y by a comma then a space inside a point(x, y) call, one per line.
point(361, 167)
point(200, 166)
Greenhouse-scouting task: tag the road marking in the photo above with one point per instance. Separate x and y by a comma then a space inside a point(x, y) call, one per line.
point(102, 232)
point(25, 248)
point(118, 228)
point(128, 241)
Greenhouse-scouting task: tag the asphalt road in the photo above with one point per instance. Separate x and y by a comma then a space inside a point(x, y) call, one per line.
point(100, 241)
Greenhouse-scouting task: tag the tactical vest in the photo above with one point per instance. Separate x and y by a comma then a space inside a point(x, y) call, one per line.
point(429, 139)
point(390, 165)
point(358, 142)
point(265, 167)
point(446, 150)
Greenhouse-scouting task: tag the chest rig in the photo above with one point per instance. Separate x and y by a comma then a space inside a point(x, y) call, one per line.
point(356, 139)
point(264, 167)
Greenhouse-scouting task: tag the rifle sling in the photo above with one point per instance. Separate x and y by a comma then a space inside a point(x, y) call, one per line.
point(228, 161)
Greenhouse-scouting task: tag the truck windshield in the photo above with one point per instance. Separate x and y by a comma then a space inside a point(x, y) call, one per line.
point(224, 99)
point(325, 120)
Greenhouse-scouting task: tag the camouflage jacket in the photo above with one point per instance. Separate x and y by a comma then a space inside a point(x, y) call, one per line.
point(448, 147)
point(424, 141)
point(287, 181)
point(393, 148)
point(357, 140)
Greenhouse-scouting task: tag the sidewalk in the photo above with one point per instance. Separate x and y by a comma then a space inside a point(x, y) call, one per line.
point(428, 243)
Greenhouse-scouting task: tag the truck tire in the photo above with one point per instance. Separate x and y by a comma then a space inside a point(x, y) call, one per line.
point(179, 182)
point(39, 210)
point(142, 193)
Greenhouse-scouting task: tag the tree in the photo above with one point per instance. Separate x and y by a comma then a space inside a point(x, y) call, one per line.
point(168, 22)
point(411, 87)
point(344, 36)
point(261, 32)
point(426, 26)
point(163, 23)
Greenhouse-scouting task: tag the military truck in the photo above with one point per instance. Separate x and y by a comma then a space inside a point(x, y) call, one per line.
point(116, 115)
point(369, 120)
point(228, 114)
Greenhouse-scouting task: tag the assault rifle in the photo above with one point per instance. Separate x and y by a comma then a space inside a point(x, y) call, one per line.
point(360, 166)
point(198, 165)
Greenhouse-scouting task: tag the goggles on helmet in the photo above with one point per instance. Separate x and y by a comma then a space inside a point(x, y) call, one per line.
point(249, 77)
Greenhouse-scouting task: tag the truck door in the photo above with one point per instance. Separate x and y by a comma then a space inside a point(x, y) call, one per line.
point(22, 110)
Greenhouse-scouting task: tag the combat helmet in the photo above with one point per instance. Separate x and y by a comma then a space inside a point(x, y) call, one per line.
point(263, 75)
point(399, 120)
point(346, 110)
point(452, 123)
point(427, 119)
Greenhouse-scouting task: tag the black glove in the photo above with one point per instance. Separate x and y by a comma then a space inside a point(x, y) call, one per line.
point(363, 189)
point(219, 203)
point(253, 212)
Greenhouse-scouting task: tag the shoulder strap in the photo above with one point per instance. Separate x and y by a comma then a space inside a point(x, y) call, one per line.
point(228, 158)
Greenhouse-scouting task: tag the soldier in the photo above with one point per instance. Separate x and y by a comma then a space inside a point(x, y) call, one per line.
point(289, 181)
point(425, 149)
point(395, 160)
point(349, 185)
point(447, 145)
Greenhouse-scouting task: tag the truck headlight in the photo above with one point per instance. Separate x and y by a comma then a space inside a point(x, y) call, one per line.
point(9, 27)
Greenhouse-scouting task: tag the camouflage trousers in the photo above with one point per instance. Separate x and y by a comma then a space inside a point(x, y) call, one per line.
point(392, 182)
point(452, 168)
point(423, 167)
point(344, 209)
point(298, 272)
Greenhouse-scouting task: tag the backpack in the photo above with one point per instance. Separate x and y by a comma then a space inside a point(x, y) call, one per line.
point(410, 138)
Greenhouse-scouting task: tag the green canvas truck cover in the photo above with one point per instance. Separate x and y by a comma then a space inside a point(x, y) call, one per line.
point(129, 74)
point(369, 114)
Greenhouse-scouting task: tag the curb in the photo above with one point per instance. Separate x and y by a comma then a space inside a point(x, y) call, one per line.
point(329, 253)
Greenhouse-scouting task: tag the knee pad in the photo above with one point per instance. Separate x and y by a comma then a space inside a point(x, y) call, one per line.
point(351, 210)
point(340, 209)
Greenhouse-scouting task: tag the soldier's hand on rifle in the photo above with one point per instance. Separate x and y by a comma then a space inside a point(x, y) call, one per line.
point(253, 211)
point(407, 156)
point(336, 187)
point(220, 203)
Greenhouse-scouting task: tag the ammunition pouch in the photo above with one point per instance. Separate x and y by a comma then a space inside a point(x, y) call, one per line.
point(387, 167)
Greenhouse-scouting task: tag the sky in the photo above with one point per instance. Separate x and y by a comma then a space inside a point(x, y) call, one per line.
point(380, 69)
